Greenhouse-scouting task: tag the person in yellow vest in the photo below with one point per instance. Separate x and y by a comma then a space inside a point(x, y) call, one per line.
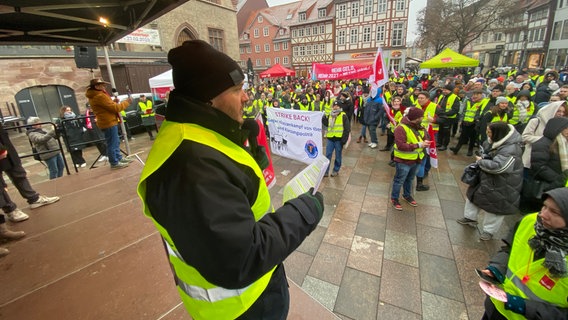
point(468, 132)
point(206, 194)
point(523, 110)
point(338, 128)
point(304, 104)
point(409, 144)
point(449, 107)
point(531, 268)
point(498, 113)
point(147, 115)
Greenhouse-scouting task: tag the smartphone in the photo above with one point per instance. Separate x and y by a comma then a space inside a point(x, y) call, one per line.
point(486, 278)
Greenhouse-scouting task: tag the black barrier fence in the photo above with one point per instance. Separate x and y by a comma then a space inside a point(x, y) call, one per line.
point(77, 135)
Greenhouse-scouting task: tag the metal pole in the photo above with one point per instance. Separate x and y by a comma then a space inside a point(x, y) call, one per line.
point(111, 78)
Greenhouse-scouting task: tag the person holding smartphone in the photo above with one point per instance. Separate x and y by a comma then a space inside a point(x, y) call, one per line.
point(409, 145)
point(532, 266)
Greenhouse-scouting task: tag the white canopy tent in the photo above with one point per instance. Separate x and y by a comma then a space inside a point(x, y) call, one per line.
point(161, 84)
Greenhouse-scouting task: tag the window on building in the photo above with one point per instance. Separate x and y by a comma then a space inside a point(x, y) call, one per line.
point(309, 50)
point(341, 11)
point(565, 30)
point(256, 33)
point(257, 48)
point(242, 50)
point(281, 32)
point(341, 37)
point(315, 30)
point(367, 7)
point(267, 62)
point(322, 48)
point(245, 36)
point(302, 51)
point(560, 4)
point(302, 16)
point(285, 46)
point(249, 50)
point(301, 32)
point(322, 13)
point(354, 35)
point(265, 31)
point(381, 33)
point(276, 60)
point(497, 36)
point(322, 29)
point(556, 29)
point(308, 31)
point(397, 34)
point(295, 51)
point(217, 39)
point(289, 16)
point(258, 63)
point(277, 47)
point(285, 60)
point(400, 4)
point(259, 19)
point(295, 33)
point(382, 6)
point(367, 34)
point(355, 9)
point(266, 47)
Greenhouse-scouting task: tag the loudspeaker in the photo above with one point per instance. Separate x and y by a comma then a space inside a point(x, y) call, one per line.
point(86, 57)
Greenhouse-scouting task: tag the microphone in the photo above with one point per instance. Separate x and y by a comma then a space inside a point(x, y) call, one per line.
point(252, 126)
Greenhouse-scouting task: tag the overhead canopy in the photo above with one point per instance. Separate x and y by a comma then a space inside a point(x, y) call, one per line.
point(449, 59)
point(276, 71)
point(161, 84)
point(76, 22)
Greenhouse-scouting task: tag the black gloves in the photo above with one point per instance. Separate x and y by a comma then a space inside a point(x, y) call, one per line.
point(317, 200)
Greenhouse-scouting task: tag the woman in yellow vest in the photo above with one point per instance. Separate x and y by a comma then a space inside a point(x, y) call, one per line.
point(531, 268)
point(206, 194)
point(409, 147)
point(498, 113)
point(338, 129)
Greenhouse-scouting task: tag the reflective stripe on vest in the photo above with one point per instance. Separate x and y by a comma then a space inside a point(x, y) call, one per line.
point(521, 263)
point(484, 103)
point(145, 106)
point(471, 111)
point(497, 118)
point(327, 106)
point(202, 299)
point(411, 138)
point(430, 110)
point(336, 131)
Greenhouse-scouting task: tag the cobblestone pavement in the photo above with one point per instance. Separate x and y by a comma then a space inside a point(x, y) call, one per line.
point(365, 260)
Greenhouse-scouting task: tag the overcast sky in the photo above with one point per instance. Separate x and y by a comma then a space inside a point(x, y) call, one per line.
point(415, 6)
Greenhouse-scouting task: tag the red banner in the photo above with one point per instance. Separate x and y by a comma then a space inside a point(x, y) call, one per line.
point(346, 71)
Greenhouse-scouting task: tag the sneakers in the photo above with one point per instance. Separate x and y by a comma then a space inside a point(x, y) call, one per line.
point(84, 164)
point(7, 234)
point(396, 204)
point(326, 174)
point(373, 145)
point(119, 165)
point(467, 222)
point(42, 201)
point(334, 174)
point(17, 215)
point(103, 158)
point(485, 236)
point(125, 160)
point(411, 201)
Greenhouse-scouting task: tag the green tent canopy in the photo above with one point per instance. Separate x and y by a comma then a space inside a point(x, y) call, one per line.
point(449, 59)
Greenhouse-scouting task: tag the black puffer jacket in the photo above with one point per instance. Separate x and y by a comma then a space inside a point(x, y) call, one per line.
point(501, 176)
point(545, 163)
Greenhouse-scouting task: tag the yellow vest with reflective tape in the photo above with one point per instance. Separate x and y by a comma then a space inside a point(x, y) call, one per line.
point(470, 111)
point(521, 263)
point(449, 103)
point(429, 111)
point(202, 299)
point(337, 130)
point(411, 138)
point(145, 106)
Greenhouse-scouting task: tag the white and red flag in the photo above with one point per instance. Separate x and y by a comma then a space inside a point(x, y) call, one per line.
point(432, 148)
point(379, 77)
point(395, 73)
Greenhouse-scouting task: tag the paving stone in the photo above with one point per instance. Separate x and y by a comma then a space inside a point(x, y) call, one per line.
point(358, 295)
point(378, 188)
point(297, 265)
point(445, 179)
point(452, 209)
point(464, 235)
point(451, 193)
point(426, 198)
point(375, 204)
point(467, 260)
point(401, 247)
point(311, 244)
point(400, 286)
point(324, 292)
point(430, 216)
point(348, 210)
point(331, 196)
point(359, 179)
point(402, 221)
point(434, 241)
point(440, 276)
point(366, 255)
point(387, 311)
point(340, 233)
point(435, 307)
point(329, 263)
point(328, 213)
point(371, 226)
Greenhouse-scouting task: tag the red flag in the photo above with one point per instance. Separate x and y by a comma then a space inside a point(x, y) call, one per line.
point(379, 77)
point(389, 113)
point(396, 75)
point(432, 148)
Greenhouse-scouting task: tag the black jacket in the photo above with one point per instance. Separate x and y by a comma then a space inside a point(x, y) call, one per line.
point(5, 144)
point(545, 163)
point(203, 199)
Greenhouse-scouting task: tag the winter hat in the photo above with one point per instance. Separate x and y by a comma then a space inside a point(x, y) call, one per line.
point(553, 85)
point(94, 82)
point(449, 87)
point(501, 99)
point(500, 79)
point(525, 93)
point(201, 71)
point(414, 113)
point(499, 87)
point(560, 196)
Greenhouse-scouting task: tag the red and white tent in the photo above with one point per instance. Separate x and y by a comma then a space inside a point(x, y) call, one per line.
point(277, 71)
point(161, 84)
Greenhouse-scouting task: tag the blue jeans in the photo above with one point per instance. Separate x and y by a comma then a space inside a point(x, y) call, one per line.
point(363, 131)
point(403, 176)
point(55, 166)
point(373, 133)
point(338, 147)
point(425, 166)
point(113, 145)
